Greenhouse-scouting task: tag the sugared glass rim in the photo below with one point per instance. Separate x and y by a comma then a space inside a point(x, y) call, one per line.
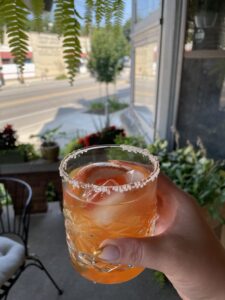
point(107, 189)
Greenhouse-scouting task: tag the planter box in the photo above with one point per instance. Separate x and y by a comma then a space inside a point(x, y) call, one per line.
point(11, 157)
point(37, 174)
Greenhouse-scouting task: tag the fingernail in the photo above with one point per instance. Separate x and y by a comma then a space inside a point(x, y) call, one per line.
point(110, 253)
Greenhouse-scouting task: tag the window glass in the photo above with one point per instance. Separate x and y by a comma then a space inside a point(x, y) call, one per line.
point(146, 7)
point(201, 112)
point(145, 80)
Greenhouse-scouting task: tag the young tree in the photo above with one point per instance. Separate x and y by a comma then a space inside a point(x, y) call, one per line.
point(108, 47)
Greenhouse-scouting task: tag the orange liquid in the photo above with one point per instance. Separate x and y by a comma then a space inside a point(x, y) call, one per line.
point(90, 218)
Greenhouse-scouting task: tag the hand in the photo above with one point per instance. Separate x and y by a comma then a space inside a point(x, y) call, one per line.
point(184, 247)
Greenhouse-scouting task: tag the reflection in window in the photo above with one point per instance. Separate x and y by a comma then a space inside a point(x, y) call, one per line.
point(205, 25)
point(201, 112)
point(145, 7)
point(145, 79)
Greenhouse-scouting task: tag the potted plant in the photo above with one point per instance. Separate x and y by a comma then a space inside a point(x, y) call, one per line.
point(49, 147)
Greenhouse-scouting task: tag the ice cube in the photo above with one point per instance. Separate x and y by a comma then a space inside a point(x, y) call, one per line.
point(92, 196)
point(108, 209)
point(134, 176)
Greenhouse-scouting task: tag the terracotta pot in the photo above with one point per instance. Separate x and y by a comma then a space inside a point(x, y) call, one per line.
point(51, 152)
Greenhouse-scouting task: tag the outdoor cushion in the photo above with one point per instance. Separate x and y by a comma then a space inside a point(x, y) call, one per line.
point(12, 255)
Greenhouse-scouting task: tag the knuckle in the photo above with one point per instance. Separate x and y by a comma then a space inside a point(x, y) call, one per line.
point(133, 252)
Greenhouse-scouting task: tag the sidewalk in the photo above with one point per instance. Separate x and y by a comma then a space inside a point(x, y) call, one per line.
point(30, 81)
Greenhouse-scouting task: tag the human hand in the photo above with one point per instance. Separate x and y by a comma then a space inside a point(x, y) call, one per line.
point(184, 247)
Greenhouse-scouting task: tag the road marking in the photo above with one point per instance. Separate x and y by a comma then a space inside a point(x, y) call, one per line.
point(72, 105)
point(44, 97)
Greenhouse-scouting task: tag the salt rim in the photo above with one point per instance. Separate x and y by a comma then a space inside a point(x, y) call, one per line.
point(107, 189)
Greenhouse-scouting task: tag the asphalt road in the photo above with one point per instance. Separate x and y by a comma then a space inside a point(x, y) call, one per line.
point(30, 106)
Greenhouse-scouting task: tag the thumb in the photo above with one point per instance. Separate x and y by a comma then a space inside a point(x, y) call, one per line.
point(142, 252)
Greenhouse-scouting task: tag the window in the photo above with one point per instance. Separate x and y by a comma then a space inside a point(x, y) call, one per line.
point(201, 112)
point(144, 8)
point(146, 58)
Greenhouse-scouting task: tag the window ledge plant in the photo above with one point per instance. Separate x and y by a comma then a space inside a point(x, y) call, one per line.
point(49, 147)
point(13, 152)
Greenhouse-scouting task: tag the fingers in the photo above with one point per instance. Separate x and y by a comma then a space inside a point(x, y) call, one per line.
point(138, 252)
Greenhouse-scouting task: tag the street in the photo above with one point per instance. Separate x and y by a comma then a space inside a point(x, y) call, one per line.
point(30, 107)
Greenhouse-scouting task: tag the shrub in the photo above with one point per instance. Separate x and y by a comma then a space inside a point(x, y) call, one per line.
point(9, 143)
point(106, 136)
point(137, 141)
point(114, 105)
point(190, 169)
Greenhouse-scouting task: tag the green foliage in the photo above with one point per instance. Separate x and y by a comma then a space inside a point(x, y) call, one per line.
point(5, 197)
point(70, 32)
point(106, 136)
point(61, 77)
point(51, 193)
point(137, 141)
point(28, 152)
point(99, 11)
point(114, 105)
point(190, 169)
point(127, 30)
point(71, 146)
point(2, 23)
point(37, 9)
point(118, 9)
point(160, 278)
point(89, 4)
point(16, 14)
point(107, 50)
point(49, 136)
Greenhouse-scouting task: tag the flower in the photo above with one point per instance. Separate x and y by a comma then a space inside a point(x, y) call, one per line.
point(8, 138)
point(106, 136)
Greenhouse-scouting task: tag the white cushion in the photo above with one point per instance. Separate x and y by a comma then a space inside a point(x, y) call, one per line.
point(12, 256)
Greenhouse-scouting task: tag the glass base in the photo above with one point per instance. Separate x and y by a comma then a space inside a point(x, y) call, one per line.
point(115, 276)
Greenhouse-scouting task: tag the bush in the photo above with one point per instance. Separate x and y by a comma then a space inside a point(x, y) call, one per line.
point(137, 141)
point(28, 152)
point(106, 136)
point(114, 105)
point(9, 143)
point(61, 77)
point(190, 169)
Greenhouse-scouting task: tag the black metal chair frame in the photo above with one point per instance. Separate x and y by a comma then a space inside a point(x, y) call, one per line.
point(18, 226)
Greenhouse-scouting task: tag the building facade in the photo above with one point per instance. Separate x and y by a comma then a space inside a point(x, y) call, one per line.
point(178, 69)
point(44, 59)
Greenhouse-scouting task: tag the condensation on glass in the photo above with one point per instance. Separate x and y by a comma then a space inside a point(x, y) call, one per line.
point(201, 110)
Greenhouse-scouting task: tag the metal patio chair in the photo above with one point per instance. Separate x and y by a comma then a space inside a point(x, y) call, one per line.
point(15, 202)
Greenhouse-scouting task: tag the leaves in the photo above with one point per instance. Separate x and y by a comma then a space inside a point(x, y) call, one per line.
point(67, 19)
point(37, 9)
point(99, 11)
point(107, 52)
point(196, 174)
point(118, 9)
point(16, 14)
point(89, 6)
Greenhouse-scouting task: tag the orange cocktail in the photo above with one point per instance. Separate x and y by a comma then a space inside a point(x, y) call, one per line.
point(106, 196)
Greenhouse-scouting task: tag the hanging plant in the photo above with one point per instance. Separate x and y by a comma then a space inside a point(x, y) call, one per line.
point(14, 15)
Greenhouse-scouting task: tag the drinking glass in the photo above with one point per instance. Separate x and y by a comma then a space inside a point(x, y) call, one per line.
point(109, 191)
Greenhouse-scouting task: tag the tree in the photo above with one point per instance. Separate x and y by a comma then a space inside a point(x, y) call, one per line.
point(127, 29)
point(108, 47)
